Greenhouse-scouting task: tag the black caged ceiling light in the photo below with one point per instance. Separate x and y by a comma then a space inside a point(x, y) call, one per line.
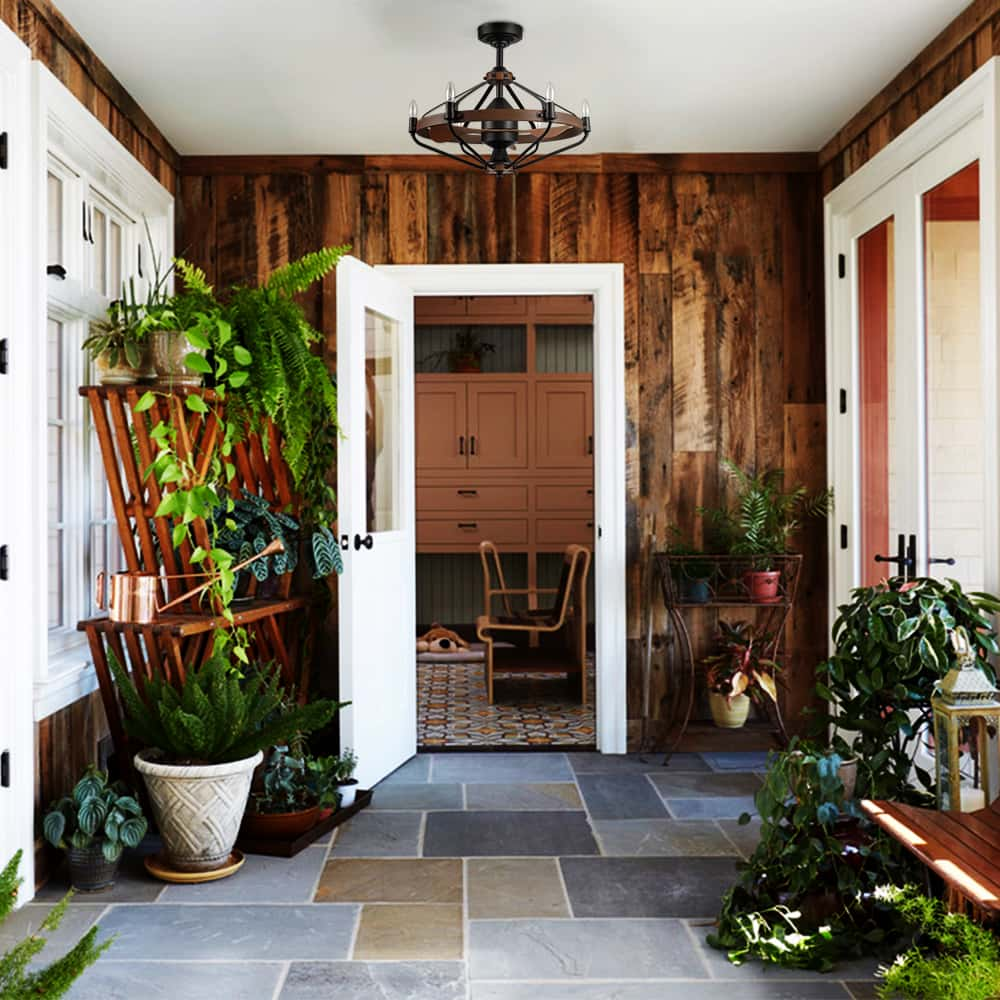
point(501, 115)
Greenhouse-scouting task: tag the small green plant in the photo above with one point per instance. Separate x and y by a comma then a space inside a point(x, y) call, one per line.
point(97, 813)
point(691, 568)
point(286, 788)
point(950, 958)
point(321, 776)
point(891, 646)
point(117, 337)
point(739, 666)
point(346, 765)
point(466, 352)
point(216, 716)
point(765, 515)
point(52, 981)
point(249, 527)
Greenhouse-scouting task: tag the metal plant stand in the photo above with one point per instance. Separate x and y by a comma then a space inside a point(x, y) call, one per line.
point(713, 583)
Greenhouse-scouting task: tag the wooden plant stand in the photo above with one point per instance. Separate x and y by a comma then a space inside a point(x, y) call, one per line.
point(726, 590)
point(174, 642)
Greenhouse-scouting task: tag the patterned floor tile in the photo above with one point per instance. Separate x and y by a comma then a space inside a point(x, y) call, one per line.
point(514, 887)
point(401, 932)
point(391, 880)
point(507, 834)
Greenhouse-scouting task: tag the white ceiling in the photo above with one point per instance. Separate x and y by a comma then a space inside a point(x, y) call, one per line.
point(336, 76)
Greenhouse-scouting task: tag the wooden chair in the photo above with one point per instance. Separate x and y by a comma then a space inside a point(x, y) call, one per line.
point(963, 848)
point(568, 613)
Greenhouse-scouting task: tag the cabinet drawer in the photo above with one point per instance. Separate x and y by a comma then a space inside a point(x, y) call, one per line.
point(471, 531)
point(472, 498)
point(564, 530)
point(496, 305)
point(577, 497)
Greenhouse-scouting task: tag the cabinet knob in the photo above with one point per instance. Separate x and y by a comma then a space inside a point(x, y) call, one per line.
point(461, 444)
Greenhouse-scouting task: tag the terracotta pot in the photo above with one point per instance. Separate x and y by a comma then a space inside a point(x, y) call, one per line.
point(89, 870)
point(762, 586)
point(279, 826)
point(197, 807)
point(120, 374)
point(729, 714)
point(466, 363)
point(169, 349)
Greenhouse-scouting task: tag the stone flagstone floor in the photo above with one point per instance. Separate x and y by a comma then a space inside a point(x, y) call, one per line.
point(473, 876)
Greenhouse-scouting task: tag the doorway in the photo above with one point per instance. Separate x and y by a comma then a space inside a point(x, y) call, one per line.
point(504, 426)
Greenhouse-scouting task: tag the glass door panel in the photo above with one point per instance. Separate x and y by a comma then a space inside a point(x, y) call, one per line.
point(879, 454)
point(381, 420)
point(955, 416)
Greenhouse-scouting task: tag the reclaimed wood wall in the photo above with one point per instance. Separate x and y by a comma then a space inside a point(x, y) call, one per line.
point(955, 54)
point(724, 319)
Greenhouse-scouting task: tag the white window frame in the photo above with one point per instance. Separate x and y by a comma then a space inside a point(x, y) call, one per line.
point(105, 173)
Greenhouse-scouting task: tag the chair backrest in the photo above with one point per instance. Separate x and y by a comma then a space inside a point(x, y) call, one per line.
point(493, 569)
point(576, 565)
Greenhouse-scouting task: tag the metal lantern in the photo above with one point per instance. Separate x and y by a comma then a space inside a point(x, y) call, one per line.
point(965, 699)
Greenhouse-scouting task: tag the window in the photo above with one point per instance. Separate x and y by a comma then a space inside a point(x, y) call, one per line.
point(100, 207)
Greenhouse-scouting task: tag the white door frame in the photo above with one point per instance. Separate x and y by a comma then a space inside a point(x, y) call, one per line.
point(975, 105)
point(18, 457)
point(606, 283)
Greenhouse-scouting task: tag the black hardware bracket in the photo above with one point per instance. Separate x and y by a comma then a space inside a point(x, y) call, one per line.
point(4, 355)
point(367, 542)
point(3, 150)
point(4, 563)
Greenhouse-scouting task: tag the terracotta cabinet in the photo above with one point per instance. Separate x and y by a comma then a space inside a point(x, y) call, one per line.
point(498, 425)
point(441, 434)
point(564, 424)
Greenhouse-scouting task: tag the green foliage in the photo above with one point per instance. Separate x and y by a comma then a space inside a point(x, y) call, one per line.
point(55, 980)
point(951, 957)
point(739, 666)
point(117, 337)
point(804, 897)
point(285, 785)
point(216, 716)
point(97, 813)
point(345, 765)
point(247, 529)
point(681, 545)
point(891, 646)
point(765, 516)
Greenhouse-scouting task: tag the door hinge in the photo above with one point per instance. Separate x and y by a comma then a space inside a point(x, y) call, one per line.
point(843, 536)
point(4, 355)
point(3, 150)
point(843, 400)
point(5, 769)
point(842, 265)
point(4, 563)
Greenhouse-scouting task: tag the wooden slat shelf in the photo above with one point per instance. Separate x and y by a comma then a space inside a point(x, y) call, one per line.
point(191, 624)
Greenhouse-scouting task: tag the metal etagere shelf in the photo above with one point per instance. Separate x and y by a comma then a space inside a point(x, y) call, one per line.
point(718, 583)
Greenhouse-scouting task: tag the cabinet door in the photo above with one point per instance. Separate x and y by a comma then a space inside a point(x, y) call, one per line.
point(498, 425)
point(564, 424)
point(441, 436)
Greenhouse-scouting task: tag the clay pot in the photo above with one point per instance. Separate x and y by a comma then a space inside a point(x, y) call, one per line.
point(197, 807)
point(466, 363)
point(89, 870)
point(763, 586)
point(730, 714)
point(279, 826)
point(169, 349)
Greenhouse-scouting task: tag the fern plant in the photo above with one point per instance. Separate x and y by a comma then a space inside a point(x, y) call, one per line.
point(765, 514)
point(215, 716)
point(55, 980)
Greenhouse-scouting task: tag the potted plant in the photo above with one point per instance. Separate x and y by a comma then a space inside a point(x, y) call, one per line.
point(738, 672)
point(465, 354)
point(287, 806)
point(764, 518)
point(692, 576)
point(117, 347)
point(204, 740)
point(347, 784)
point(321, 775)
point(891, 645)
point(93, 825)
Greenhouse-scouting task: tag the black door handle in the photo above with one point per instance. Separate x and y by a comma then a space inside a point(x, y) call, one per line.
point(461, 444)
point(948, 562)
point(590, 444)
point(367, 542)
point(472, 445)
point(905, 557)
point(4, 563)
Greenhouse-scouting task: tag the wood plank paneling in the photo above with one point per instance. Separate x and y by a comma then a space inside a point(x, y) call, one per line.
point(723, 311)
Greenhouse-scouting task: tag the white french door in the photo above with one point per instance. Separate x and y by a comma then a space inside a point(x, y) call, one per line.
point(913, 374)
point(376, 516)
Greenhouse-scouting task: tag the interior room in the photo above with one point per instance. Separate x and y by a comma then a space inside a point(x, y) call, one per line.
point(501, 500)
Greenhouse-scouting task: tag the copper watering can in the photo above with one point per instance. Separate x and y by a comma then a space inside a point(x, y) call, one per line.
point(132, 596)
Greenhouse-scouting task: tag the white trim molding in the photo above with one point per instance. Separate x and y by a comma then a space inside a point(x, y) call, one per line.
point(606, 283)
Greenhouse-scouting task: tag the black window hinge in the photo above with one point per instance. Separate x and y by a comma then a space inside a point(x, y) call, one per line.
point(843, 536)
point(3, 150)
point(4, 563)
point(843, 400)
point(5, 769)
point(4, 355)
point(842, 265)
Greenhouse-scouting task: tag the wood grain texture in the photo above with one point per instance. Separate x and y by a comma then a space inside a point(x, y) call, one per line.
point(723, 311)
point(958, 51)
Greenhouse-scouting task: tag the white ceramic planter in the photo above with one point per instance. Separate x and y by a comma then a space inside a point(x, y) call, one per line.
point(198, 808)
point(169, 348)
point(120, 374)
point(348, 793)
point(728, 715)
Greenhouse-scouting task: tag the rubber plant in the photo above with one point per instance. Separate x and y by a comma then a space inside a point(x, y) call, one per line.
point(891, 644)
point(20, 976)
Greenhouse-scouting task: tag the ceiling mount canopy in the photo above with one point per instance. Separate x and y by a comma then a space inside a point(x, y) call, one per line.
point(512, 125)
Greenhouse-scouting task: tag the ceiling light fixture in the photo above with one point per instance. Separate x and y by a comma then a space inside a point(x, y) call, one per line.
point(500, 114)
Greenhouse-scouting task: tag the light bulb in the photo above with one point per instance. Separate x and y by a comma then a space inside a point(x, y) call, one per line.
point(413, 109)
point(550, 93)
point(585, 109)
point(449, 93)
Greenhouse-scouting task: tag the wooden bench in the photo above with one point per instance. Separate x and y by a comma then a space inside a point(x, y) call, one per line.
point(963, 848)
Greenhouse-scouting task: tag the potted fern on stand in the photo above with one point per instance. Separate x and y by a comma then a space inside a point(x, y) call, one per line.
point(764, 517)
